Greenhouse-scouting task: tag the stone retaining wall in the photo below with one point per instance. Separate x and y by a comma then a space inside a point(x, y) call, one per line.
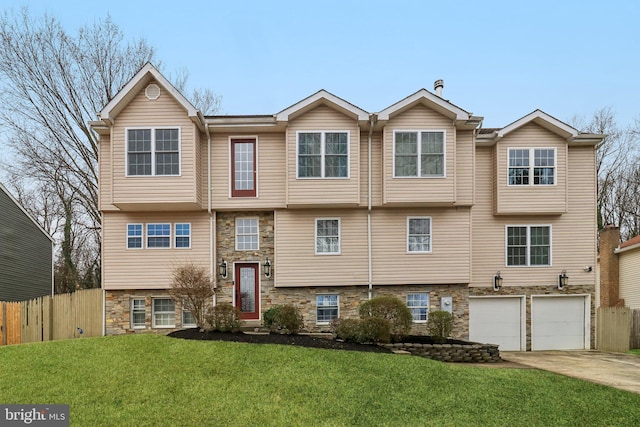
point(469, 353)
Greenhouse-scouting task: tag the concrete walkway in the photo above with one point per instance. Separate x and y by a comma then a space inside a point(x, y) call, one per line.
point(612, 369)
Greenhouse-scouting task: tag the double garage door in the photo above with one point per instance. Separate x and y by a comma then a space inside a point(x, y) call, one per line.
point(557, 322)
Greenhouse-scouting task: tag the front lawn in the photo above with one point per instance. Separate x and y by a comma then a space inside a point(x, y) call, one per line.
point(634, 351)
point(157, 381)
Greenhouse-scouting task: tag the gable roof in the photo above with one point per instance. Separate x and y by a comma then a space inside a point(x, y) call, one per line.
point(322, 97)
point(543, 119)
point(15, 201)
point(429, 99)
point(146, 74)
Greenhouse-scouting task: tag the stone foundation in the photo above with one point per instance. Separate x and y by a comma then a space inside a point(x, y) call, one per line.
point(466, 353)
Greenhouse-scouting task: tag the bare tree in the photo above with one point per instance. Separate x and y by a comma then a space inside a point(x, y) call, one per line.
point(618, 170)
point(191, 286)
point(52, 83)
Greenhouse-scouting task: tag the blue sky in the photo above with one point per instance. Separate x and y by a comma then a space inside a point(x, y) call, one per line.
point(498, 59)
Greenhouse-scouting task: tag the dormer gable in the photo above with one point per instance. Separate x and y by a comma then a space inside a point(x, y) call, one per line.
point(145, 79)
point(322, 97)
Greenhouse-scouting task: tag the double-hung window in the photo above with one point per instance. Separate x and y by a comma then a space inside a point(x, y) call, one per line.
point(419, 154)
point(134, 236)
point(247, 234)
point(138, 313)
point(158, 235)
point(154, 151)
point(182, 235)
point(326, 308)
point(243, 168)
point(419, 234)
point(524, 171)
point(418, 303)
point(323, 154)
point(529, 245)
point(164, 313)
point(188, 320)
point(327, 236)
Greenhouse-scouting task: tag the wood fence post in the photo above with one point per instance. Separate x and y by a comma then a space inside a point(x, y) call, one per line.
point(3, 325)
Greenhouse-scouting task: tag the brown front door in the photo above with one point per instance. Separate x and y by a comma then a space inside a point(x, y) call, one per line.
point(247, 292)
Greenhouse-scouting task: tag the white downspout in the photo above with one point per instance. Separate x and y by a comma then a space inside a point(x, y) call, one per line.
point(212, 237)
point(369, 164)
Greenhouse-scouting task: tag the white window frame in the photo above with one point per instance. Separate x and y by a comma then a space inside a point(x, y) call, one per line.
point(323, 154)
point(419, 307)
point(409, 251)
point(141, 237)
point(419, 152)
point(134, 311)
point(257, 234)
point(328, 307)
point(241, 139)
point(532, 166)
point(528, 249)
point(185, 311)
point(148, 236)
point(154, 313)
point(315, 241)
point(153, 150)
point(175, 235)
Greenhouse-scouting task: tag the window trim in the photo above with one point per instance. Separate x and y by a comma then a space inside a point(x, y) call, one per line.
point(133, 311)
point(419, 153)
point(426, 306)
point(175, 235)
point(153, 150)
point(323, 154)
point(147, 233)
point(141, 236)
point(430, 235)
point(257, 219)
point(315, 240)
point(323, 322)
point(183, 310)
point(154, 312)
point(232, 167)
point(528, 250)
point(532, 166)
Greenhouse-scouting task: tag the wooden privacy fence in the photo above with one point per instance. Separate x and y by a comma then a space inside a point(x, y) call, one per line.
point(617, 329)
point(63, 316)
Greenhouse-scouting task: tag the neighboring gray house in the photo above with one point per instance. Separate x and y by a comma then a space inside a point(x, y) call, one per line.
point(26, 253)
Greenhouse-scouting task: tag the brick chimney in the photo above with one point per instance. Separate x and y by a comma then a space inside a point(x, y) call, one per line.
point(609, 267)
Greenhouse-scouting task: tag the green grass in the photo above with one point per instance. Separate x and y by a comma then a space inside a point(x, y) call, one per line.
point(156, 381)
point(634, 351)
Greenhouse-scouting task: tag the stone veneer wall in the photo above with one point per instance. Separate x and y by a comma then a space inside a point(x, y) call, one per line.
point(467, 353)
point(528, 291)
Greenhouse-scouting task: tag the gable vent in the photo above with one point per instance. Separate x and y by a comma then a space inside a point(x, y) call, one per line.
point(152, 91)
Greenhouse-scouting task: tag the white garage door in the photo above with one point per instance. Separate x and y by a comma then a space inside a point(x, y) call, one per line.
point(558, 322)
point(497, 320)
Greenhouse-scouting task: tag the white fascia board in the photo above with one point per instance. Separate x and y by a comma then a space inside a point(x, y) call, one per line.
point(431, 98)
point(543, 119)
point(322, 95)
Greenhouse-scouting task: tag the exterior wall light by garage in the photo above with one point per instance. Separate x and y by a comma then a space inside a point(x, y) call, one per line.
point(267, 268)
point(563, 280)
point(222, 269)
point(497, 281)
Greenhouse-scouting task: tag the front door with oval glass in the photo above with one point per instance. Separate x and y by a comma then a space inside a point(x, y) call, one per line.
point(247, 291)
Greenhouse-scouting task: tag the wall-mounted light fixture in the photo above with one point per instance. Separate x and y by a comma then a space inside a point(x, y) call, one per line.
point(563, 280)
point(267, 268)
point(222, 269)
point(497, 281)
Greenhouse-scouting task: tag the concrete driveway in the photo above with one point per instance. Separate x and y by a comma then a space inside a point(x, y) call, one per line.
point(613, 369)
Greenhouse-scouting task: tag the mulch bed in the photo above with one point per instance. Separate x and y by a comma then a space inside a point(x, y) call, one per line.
point(299, 340)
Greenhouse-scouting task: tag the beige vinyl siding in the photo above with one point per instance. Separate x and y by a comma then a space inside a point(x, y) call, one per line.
point(323, 191)
point(105, 174)
point(124, 268)
point(449, 261)
point(464, 163)
point(296, 263)
point(524, 199)
point(630, 278)
point(419, 191)
point(142, 192)
point(270, 164)
point(376, 169)
point(573, 242)
point(198, 156)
